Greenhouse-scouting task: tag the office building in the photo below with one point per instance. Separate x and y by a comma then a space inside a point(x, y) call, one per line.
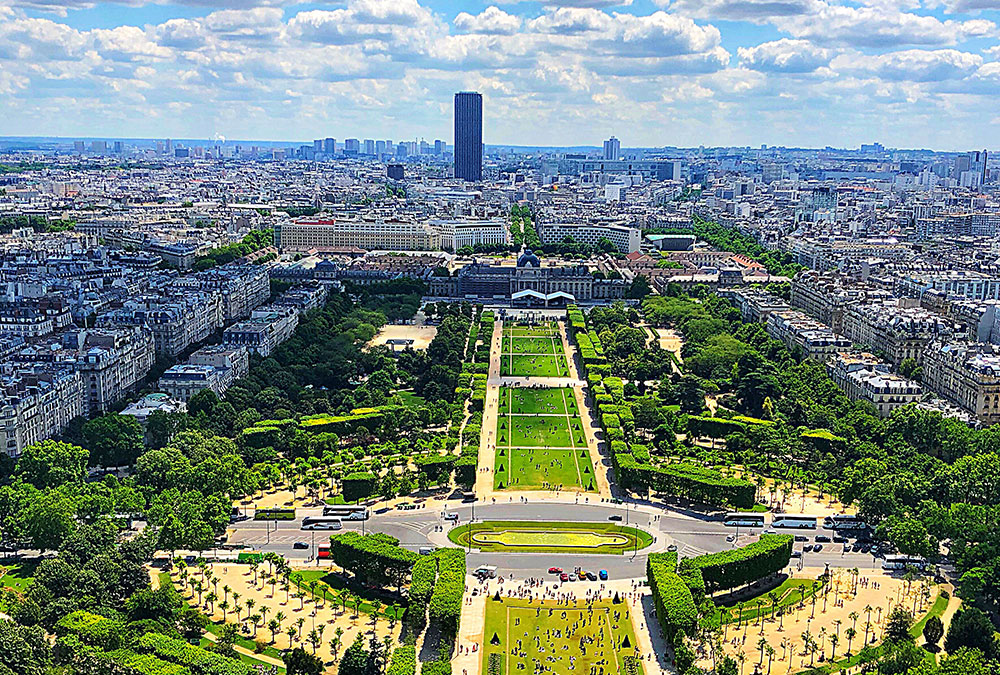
point(469, 136)
point(352, 147)
point(328, 233)
point(394, 171)
point(612, 148)
point(329, 147)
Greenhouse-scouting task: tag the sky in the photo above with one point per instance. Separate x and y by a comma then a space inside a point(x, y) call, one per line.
point(810, 73)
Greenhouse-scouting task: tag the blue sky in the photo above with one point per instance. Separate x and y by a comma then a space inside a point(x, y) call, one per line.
point(907, 73)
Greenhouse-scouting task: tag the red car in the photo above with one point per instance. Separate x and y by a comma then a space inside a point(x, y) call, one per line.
point(555, 570)
point(563, 577)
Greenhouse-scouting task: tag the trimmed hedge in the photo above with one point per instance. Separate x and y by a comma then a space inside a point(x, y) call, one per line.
point(403, 661)
point(127, 662)
point(446, 601)
point(198, 659)
point(675, 606)
point(736, 567)
point(375, 559)
point(358, 485)
point(690, 481)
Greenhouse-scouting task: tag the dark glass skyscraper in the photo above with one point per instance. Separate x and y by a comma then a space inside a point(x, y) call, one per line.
point(469, 135)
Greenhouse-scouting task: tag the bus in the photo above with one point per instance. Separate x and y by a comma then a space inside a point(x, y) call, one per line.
point(347, 512)
point(321, 523)
point(789, 521)
point(323, 552)
point(744, 520)
point(843, 521)
point(901, 562)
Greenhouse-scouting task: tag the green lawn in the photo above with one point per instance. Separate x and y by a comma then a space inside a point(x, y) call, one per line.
point(532, 537)
point(330, 588)
point(787, 594)
point(543, 468)
point(411, 400)
point(532, 345)
point(543, 330)
point(17, 577)
point(531, 365)
point(513, 625)
point(516, 401)
point(540, 441)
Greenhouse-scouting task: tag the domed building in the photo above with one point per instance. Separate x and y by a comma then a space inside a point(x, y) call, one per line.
point(529, 259)
point(530, 283)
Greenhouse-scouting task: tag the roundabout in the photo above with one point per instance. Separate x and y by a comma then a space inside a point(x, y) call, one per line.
point(536, 537)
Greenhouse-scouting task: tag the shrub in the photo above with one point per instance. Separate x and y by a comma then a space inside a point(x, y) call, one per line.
point(446, 601)
point(729, 569)
point(403, 661)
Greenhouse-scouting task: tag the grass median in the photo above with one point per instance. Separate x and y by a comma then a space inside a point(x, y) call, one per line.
point(532, 537)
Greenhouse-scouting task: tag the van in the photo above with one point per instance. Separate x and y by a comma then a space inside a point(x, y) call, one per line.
point(486, 572)
point(450, 515)
point(426, 550)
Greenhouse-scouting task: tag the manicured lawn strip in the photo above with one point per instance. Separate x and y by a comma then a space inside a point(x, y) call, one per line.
point(525, 431)
point(522, 365)
point(531, 345)
point(510, 619)
point(567, 468)
point(937, 609)
point(788, 594)
point(523, 401)
point(330, 587)
point(460, 536)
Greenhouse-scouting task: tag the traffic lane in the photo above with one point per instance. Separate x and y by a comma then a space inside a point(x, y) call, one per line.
point(536, 565)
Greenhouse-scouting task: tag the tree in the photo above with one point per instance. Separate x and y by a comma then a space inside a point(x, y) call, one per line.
point(355, 659)
point(113, 440)
point(897, 629)
point(24, 650)
point(639, 288)
point(300, 662)
point(933, 630)
point(970, 627)
point(49, 520)
point(52, 463)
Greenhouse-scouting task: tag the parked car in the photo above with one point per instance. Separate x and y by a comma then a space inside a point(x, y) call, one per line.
point(817, 548)
point(839, 539)
point(807, 548)
point(563, 577)
point(823, 538)
point(591, 576)
point(301, 545)
point(603, 574)
point(555, 570)
point(672, 548)
point(796, 554)
point(582, 575)
point(615, 517)
point(801, 538)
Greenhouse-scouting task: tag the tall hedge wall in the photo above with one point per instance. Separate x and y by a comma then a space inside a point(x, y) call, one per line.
point(675, 606)
point(690, 481)
point(446, 600)
point(739, 566)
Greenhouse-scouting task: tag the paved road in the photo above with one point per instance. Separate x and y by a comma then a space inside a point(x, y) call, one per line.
point(418, 528)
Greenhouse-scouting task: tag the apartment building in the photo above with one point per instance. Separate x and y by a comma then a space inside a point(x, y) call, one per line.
point(242, 288)
point(335, 233)
point(863, 377)
point(459, 233)
point(823, 297)
point(176, 321)
point(754, 305)
point(814, 340)
point(233, 362)
point(33, 318)
point(37, 402)
point(966, 373)
point(625, 238)
point(896, 332)
point(267, 328)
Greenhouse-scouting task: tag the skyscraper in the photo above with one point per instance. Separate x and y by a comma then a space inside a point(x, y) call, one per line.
point(612, 148)
point(469, 136)
point(329, 147)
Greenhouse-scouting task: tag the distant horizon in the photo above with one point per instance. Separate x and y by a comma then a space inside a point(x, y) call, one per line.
point(296, 143)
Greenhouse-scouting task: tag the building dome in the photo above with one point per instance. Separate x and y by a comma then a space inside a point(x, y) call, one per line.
point(528, 259)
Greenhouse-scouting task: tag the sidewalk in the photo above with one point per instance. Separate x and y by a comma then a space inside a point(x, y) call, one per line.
point(470, 632)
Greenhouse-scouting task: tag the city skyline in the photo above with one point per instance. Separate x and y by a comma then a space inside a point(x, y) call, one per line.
point(803, 73)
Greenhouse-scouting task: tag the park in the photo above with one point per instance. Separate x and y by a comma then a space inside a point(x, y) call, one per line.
point(535, 351)
point(540, 441)
point(559, 637)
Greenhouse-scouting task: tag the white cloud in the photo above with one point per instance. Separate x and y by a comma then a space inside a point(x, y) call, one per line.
point(879, 28)
point(914, 65)
point(492, 21)
point(757, 11)
point(784, 56)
